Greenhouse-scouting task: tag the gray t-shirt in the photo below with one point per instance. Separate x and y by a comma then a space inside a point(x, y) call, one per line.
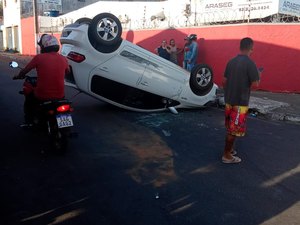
point(240, 72)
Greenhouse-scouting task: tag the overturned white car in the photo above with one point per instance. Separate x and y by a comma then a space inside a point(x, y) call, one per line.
point(119, 72)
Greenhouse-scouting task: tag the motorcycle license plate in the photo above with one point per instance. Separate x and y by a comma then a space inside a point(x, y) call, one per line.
point(64, 120)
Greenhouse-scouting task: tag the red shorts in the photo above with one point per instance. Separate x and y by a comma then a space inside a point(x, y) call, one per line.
point(235, 119)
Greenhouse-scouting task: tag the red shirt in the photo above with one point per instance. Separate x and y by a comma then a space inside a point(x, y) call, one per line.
point(51, 68)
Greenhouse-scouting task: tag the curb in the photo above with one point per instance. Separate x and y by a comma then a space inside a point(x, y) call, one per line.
point(266, 108)
point(285, 117)
point(21, 59)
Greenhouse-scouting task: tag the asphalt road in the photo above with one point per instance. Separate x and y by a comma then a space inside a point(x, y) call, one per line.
point(128, 168)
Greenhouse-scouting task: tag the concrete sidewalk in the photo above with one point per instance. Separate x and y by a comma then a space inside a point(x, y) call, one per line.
point(275, 106)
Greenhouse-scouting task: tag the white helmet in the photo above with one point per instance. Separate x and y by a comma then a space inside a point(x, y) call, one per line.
point(49, 43)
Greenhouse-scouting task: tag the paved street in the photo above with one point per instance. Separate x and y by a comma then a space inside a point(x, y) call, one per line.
point(128, 168)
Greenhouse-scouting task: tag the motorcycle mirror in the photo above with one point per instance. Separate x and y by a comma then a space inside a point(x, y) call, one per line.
point(13, 64)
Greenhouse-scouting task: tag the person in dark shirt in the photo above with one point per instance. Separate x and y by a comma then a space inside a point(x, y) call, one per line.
point(240, 75)
point(164, 50)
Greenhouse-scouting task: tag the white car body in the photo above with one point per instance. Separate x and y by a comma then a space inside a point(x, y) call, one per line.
point(128, 76)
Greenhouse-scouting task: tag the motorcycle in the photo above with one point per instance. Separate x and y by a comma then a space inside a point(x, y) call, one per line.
point(53, 116)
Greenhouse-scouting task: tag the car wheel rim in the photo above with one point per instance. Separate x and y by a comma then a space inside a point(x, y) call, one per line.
point(203, 77)
point(107, 29)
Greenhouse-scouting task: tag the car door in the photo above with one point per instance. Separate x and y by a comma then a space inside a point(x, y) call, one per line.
point(126, 67)
point(163, 78)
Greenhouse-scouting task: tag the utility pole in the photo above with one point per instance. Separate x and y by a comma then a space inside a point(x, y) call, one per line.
point(36, 23)
point(249, 11)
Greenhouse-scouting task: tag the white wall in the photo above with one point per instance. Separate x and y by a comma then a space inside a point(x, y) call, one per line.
point(137, 15)
point(12, 19)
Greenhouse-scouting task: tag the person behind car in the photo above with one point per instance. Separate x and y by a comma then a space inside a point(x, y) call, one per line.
point(192, 54)
point(51, 68)
point(174, 51)
point(163, 50)
point(186, 49)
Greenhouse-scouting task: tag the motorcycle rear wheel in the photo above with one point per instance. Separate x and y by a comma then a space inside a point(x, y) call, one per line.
point(59, 141)
point(58, 137)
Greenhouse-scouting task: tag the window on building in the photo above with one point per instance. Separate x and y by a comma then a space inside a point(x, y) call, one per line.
point(132, 0)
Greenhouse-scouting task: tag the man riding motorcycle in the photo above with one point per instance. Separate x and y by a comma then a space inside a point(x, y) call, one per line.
point(51, 68)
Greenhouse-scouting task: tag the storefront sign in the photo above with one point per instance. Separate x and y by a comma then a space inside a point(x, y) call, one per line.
point(226, 10)
point(55, 2)
point(290, 7)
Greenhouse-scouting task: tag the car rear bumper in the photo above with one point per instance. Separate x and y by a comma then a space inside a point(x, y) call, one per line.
point(70, 80)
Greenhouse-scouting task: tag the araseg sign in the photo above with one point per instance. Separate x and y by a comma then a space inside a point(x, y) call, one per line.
point(291, 7)
point(55, 2)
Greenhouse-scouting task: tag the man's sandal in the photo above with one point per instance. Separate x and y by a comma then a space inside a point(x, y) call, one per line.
point(233, 152)
point(234, 159)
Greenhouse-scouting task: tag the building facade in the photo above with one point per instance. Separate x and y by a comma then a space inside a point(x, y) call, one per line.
point(11, 25)
point(52, 15)
point(146, 23)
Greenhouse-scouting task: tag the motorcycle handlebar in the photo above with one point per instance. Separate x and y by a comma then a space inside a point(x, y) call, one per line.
point(18, 78)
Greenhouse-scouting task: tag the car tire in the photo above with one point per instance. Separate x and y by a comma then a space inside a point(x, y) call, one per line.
point(84, 20)
point(105, 29)
point(201, 79)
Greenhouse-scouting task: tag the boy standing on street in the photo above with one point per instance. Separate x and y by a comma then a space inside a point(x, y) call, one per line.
point(240, 75)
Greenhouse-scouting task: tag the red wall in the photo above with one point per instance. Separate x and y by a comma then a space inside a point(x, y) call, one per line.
point(28, 33)
point(277, 48)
